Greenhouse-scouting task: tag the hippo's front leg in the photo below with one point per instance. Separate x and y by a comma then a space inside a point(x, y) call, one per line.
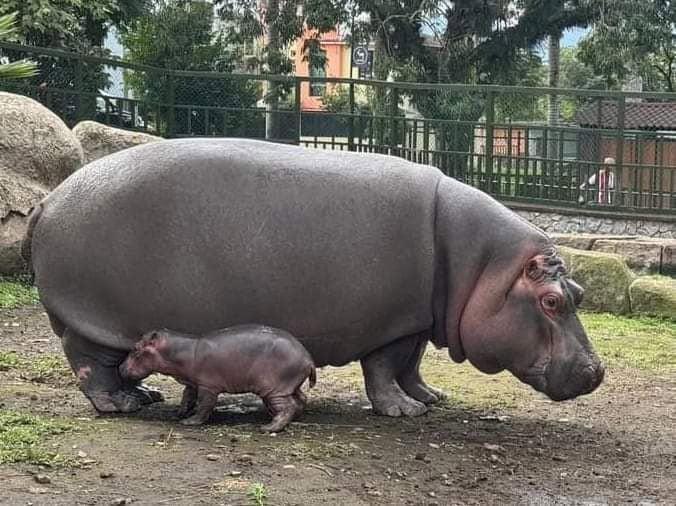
point(206, 402)
point(96, 368)
point(411, 381)
point(188, 401)
point(382, 368)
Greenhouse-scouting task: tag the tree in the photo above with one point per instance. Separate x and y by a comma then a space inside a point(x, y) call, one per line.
point(629, 41)
point(280, 23)
point(77, 26)
point(18, 69)
point(180, 35)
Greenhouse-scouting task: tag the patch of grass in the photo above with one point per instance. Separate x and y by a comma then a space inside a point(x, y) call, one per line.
point(43, 369)
point(47, 368)
point(640, 342)
point(22, 436)
point(466, 386)
point(8, 360)
point(15, 294)
point(258, 494)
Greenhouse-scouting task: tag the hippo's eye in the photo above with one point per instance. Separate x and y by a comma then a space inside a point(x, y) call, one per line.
point(550, 303)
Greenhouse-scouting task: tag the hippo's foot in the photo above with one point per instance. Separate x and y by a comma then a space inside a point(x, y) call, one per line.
point(387, 368)
point(414, 386)
point(283, 410)
point(95, 367)
point(395, 403)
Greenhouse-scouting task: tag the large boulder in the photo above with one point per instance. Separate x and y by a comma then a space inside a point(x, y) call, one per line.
point(605, 278)
point(37, 152)
point(654, 295)
point(99, 140)
point(584, 241)
point(642, 256)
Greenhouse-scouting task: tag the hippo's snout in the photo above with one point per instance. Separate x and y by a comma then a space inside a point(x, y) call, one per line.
point(583, 381)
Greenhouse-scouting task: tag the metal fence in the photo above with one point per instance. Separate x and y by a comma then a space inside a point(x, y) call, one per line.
point(604, 150)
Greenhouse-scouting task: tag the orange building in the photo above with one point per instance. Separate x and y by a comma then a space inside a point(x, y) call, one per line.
point(337, 52)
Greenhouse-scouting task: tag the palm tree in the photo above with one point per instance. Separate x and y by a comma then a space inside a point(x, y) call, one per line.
point(17, 69)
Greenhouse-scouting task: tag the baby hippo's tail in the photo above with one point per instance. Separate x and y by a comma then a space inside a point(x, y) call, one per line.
point(313, 376)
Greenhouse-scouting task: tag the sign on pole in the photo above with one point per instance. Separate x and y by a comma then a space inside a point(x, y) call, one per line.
point(360, 57)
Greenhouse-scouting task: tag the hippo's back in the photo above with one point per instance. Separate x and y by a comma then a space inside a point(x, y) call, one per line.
point(200, 234)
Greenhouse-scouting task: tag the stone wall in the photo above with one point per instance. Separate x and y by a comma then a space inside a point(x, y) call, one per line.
point(568, 223)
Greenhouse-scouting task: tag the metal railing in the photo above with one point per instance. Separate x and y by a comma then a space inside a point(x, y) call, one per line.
point(496, 138)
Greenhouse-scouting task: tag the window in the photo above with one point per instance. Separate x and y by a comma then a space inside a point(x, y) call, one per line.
point(318, 69)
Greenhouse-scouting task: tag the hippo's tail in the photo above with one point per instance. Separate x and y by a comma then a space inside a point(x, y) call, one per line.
point(27, 243)
point(313, 377)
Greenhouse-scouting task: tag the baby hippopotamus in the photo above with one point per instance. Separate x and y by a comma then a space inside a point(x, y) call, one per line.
point(247, 358)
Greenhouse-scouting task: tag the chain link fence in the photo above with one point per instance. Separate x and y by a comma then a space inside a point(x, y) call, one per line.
point(594, 149)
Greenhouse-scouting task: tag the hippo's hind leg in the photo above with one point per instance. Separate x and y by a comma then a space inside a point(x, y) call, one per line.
point(96, 369)
point(382, 369)
point(411, 381)
point(283, 408)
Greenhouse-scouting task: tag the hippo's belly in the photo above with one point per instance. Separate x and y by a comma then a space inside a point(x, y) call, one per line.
point(197, 235)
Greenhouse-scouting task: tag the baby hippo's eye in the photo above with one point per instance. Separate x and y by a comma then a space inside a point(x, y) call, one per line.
point(550, 303)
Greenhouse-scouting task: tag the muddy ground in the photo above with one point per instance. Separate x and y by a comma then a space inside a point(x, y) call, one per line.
point(493, 441)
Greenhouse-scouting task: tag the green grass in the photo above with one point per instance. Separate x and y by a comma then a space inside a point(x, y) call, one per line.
point(639, 342)
point(22, 437)
point(15, 294)
point(258, 494)
point(9, 360)
point(42, 369)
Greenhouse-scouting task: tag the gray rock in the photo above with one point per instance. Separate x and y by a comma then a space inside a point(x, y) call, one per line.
point(605, 278)
point(12, 231)
point(641, 256)
point(654, 295)
point(99, 140)
point(38, 152)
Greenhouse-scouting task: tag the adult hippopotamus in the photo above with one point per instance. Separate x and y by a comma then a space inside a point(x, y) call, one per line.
point(361, 256)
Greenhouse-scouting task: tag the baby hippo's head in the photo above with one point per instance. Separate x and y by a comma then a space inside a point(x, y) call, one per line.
point(146, 357)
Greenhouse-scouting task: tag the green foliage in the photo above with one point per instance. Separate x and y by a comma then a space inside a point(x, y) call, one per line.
point(13, 294)
point(18, 69)
point(258, 494)
point(8, 360)
point(628, 41)
point(22, 437)
point(180, 35)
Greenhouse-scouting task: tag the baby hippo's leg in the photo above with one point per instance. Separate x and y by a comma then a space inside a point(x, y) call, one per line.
point(206, 402)
point(188, 401)
point(283, 409)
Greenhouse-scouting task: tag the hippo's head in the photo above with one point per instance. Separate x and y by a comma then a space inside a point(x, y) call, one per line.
point(527, 323)
point(146, 357)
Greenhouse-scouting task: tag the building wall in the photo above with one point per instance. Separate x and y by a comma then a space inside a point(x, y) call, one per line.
point(337, 65)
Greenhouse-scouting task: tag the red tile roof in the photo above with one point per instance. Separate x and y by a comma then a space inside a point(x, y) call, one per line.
point(637, 115)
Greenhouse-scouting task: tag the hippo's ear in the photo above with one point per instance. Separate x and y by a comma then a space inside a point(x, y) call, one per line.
point(544, 266)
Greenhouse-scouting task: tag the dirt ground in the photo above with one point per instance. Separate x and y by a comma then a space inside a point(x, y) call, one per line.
point(493, 441)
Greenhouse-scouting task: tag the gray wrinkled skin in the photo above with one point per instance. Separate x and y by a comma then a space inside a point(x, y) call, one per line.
point(243, 359)
point(361, 257)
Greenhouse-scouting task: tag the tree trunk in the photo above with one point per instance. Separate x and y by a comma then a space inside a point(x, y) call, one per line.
point(554, 105)
point(272, 45)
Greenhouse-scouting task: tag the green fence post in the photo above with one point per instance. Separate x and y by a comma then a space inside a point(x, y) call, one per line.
point(171, 93)
point(78, 90)
point(299, 112)
point(350, 140)
point(490, 125)
point(619, 156)
point(394, 110)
